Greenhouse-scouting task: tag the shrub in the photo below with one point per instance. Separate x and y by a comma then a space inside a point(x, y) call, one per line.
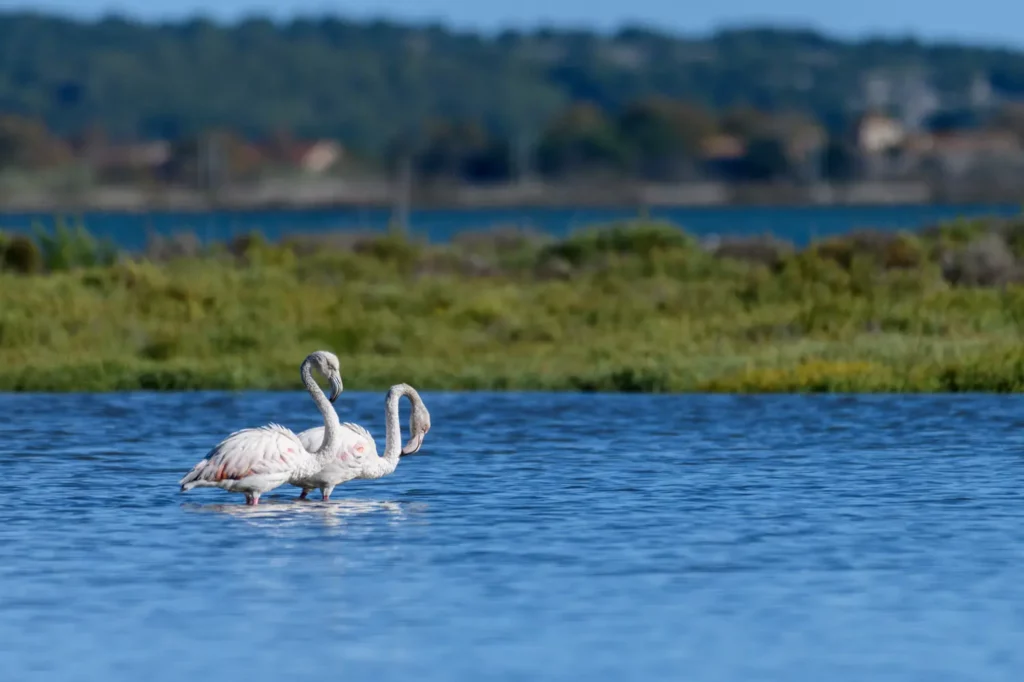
point(18, 253)
point(393, 248)
point(986, 261)
point(889, 250)
point(161, 249)
point(68, 248)
point(625, 239)
point(766, 250)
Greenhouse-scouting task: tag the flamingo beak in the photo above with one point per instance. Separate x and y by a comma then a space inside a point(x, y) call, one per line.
point(336, 387)
point(414, 444)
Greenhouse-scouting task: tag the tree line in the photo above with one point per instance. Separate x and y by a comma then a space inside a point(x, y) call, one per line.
point(654, 139)
point(367, 83)
point(754, 104)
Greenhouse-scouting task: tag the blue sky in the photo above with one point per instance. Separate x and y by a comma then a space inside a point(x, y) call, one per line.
point(979, 21)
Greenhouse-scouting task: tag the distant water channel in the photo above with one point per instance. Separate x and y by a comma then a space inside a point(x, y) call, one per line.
point(131, 231)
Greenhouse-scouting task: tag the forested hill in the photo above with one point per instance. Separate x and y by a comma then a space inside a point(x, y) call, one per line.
point(364, 82)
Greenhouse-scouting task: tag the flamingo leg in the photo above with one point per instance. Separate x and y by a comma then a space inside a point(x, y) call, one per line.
point(326, 493)
point(252, 499)
point(303, 494)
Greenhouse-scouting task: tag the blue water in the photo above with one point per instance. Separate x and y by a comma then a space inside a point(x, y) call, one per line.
point(536, 537)
point(800, 225)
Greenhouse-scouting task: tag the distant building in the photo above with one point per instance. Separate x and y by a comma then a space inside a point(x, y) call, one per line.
point(138, 155)
point(721, 155)
point(877, 133)
point(722, 147)
point(956, 152)
point(126, 161)
point(981, 142)
point(314, 157)
point(879, 141)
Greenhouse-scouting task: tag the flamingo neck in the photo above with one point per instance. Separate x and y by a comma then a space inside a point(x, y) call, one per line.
point(332, 425)
point(392, 439)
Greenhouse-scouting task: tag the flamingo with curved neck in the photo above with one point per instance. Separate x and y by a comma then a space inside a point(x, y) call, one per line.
point(255, 461)
point(355, 450)
point(419, 424)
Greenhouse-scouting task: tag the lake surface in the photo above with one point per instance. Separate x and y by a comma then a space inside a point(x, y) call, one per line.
point(535, 536)
point(797, 224)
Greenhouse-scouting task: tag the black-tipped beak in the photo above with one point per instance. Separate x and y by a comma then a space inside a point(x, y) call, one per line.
point(414, 444)
point(336, 388)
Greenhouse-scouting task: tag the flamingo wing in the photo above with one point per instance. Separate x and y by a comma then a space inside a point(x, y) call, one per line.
point(311, 439)
point(358, 430)
point(268, 449)
point(349, 439)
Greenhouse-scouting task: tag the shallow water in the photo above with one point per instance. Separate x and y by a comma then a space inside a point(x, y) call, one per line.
point(534, 537)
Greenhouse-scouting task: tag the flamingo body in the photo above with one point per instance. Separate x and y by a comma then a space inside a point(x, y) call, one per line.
point(355, 451)
point(353, 445)
point(251, 461)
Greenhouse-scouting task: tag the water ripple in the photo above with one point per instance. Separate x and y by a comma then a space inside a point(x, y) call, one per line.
point(536, 536)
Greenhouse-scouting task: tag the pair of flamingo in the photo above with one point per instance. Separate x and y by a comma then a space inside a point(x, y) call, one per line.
point(254, 461)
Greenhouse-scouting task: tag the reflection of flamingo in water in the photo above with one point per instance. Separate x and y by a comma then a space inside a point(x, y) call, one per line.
point(287, 513)
point(355, 452)
point(254, 461)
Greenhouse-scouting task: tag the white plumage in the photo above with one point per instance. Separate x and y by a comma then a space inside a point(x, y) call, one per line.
point(355, 452)
point(351, 449)
point(250, 461)
point(254, 461)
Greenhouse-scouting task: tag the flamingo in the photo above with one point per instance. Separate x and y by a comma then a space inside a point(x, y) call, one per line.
point(254, 461)
point(355, 452)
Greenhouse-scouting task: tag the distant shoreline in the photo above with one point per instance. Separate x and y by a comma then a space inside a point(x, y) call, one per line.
point(446, 208)
point(132, 230)
point(326, 194)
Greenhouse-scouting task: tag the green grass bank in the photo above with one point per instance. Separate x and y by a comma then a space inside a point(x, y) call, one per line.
point(627, 307)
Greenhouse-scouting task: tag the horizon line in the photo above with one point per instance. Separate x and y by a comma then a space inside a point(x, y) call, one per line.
point(523, 28)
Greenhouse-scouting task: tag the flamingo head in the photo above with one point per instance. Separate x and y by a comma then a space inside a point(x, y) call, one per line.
point(419, 425)
point(328, 365)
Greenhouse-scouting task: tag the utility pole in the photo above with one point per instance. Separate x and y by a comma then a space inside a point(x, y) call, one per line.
point(200, 150)
point(404, 194)
point(522, 166)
